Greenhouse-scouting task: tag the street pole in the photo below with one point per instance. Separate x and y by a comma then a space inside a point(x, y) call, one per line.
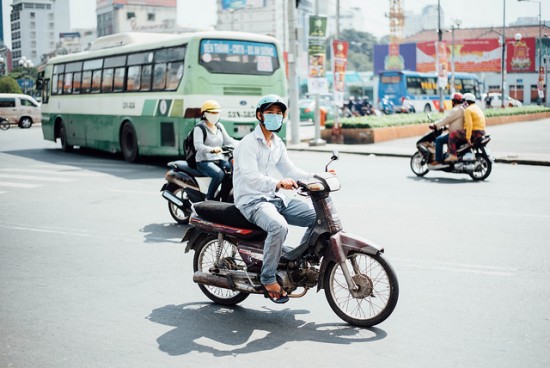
point(292, 75)
point(336, 134)
point(317, 141)
point(438, 67)
point(503, 59)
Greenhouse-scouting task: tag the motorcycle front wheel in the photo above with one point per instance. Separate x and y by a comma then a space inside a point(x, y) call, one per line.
point(210, 256)
point(419, 165)
point(180, 215)
point(483, 168)
point(377, 294)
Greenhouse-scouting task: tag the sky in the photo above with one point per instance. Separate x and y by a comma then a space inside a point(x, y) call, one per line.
point(473, 13)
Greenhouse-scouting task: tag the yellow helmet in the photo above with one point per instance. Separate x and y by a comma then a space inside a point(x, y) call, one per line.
point(210, 106)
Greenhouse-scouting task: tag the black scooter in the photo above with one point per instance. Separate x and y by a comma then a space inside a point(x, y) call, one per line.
point(182, 187)
point(360, 285)
point(474, 161)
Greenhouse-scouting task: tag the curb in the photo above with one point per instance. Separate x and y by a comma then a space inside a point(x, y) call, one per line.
point(360, 150)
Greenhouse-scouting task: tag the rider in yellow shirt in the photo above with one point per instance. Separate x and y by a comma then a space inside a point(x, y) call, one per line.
point(474, 126)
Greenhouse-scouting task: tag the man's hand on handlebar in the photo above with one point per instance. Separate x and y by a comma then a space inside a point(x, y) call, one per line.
point(286, 183)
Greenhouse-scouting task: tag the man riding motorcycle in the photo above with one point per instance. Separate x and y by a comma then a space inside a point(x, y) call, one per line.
point(455, 121)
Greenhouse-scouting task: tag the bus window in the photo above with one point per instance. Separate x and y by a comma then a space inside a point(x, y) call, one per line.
point(175, 72)
point(107, 82)
point(159, 77)
point(146, 78)
point(87, 81)
point(119, 80)
point(238, 57)
point(134, 78)
point(114, 61)
point(390, 79)
point(55, 85)
point(68, 84)
point(414, 85)
point(77, 82)
point(96, 81)
point(171, 54)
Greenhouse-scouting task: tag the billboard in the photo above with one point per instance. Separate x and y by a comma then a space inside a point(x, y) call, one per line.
point(404, 56)
point(470, 56)
point(480, 55)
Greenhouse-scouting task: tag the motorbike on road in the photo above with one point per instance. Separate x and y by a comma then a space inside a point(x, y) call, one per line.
point(182, 187)
point(360, 285)
point(474, 161)
point(4, 124)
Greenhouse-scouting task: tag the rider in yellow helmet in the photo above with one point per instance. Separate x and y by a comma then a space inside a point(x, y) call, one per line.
point(210, 160)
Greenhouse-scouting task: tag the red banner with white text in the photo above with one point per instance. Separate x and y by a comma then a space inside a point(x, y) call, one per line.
point(480, 55)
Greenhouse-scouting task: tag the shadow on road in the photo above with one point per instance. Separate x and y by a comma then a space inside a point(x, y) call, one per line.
point(231, 331)
point(442, 180)
point(163, 233)
point(99, 161)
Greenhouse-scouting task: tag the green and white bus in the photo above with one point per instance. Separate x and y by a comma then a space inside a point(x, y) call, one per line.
point(140, 94)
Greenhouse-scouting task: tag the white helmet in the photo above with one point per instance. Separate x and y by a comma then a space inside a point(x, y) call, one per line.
point(469, 97)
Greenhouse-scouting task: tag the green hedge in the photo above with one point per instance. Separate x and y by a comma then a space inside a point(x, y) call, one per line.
point(360, 122)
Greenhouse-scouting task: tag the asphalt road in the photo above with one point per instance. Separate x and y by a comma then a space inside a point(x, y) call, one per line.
point(92, 273)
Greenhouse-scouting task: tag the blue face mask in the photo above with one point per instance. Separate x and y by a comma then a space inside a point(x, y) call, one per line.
point(273, 122)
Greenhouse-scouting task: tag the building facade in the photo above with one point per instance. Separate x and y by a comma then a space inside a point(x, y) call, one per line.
point(116, 16)
point(35, 28)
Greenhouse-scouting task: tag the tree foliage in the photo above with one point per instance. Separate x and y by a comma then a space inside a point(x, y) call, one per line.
point(361, 49)
point(9, 85)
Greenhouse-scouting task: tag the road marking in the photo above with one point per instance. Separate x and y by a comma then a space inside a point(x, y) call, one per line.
point(510, 214)
point(18, 185)
point(61, 172)
point(44, 230)
point(459, 267)
point(35, 178)
point(134, 191)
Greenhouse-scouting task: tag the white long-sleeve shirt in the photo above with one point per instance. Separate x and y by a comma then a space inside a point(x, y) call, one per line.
point(255, 166)
point(204, 146)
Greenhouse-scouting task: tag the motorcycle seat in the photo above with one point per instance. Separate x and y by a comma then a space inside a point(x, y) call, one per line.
point(226, 214)
point(182, 165)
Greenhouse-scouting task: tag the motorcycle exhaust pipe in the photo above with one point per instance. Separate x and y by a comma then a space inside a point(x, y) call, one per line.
point(170, 197)
point(223, 282)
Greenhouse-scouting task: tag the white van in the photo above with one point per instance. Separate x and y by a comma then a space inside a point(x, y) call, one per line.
point(18, 109)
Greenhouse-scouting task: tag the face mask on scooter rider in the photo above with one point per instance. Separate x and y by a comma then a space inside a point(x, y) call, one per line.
point(273, 122)
point(212, 118)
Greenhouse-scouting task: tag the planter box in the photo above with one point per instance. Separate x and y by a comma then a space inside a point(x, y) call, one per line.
point(375, 135)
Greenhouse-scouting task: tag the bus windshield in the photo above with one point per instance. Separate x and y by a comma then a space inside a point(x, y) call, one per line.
point(238, 57)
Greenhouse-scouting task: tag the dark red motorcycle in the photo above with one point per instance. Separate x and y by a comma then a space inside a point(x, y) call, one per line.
point(360, 285)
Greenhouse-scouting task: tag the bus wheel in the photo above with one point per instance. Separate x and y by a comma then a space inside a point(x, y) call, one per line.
point(427, 108)
point(128, 143)
point(65, 146)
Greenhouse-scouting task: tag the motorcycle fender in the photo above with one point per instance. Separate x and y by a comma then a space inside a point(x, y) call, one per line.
point(182, 179)
point(191, 236)
point(341, 244)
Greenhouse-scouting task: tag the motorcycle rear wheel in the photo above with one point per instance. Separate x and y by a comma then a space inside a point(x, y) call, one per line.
point(180, 215)
point(378, 290)
point(4, 124)
point(206, 258)
point(484, 169)
point(419, 166)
